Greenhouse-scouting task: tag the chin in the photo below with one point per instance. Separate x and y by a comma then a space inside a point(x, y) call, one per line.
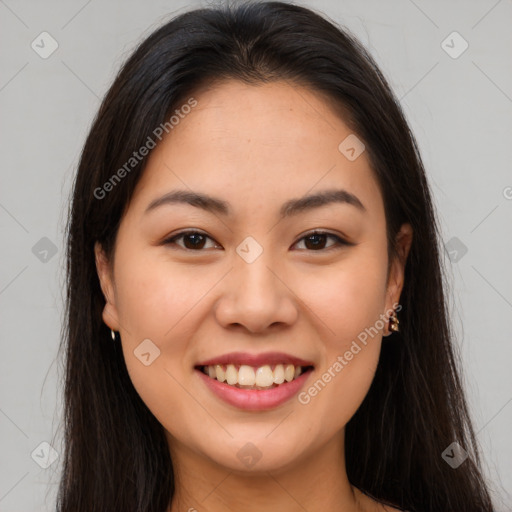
point(254, 455)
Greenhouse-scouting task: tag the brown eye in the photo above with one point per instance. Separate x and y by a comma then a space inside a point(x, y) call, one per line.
point(316, 241)
point(192, 240)
point(196, 241)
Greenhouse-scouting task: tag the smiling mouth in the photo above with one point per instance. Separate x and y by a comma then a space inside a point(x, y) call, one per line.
point(252, 377)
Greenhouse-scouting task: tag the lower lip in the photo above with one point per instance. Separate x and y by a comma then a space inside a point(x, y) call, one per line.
point(255, 399)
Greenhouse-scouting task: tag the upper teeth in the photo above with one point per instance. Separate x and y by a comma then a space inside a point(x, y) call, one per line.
point(244, 375)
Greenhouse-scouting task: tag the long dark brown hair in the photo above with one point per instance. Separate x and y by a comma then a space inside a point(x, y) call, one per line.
point(116, 457)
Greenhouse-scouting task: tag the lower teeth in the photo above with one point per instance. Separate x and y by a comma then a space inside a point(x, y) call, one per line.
point(254, 387)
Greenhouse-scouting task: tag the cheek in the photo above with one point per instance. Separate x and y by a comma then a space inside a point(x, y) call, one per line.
point(349, 304)
point(347, 297)
point(154, 302)
point(154, 296)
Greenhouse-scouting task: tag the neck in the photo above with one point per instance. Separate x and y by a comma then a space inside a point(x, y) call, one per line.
point(315, 482)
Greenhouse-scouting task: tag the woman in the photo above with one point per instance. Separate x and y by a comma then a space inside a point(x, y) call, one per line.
point(256, 317)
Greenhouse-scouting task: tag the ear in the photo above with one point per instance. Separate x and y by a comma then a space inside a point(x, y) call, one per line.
point(395, 284)
point(103, 268)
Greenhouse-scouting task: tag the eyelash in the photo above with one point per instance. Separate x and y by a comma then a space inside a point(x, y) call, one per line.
point(340, 241)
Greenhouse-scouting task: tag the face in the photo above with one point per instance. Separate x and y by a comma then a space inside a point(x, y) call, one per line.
point(244, 279)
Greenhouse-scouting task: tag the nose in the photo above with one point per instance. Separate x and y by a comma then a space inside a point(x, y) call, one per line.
point(256, 296)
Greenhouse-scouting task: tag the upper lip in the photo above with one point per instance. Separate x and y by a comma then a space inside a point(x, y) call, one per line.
point(256, 360)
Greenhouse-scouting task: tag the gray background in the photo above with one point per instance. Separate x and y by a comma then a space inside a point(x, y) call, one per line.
point(459, 109)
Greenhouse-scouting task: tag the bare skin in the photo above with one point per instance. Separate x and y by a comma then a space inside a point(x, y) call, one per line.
point(254, 147)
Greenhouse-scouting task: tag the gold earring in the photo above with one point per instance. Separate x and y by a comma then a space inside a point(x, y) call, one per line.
point(393, 323)
point(113, 334)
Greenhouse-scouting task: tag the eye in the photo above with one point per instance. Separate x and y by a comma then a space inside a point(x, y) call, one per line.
point(193, 240)
point(316, 240)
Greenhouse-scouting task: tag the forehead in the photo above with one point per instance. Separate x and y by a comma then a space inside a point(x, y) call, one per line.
point(257, 143)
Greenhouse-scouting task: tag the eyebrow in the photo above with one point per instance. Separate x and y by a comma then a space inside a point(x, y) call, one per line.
point(288, 209)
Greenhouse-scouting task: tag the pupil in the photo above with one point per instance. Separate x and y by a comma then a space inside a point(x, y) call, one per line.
point(316, 236)
point(315, 241)
point(197, 236)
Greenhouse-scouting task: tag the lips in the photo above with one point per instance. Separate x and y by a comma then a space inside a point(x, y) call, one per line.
point(255, 382)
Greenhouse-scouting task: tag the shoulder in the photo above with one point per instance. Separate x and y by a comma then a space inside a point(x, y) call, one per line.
point(370, 504)
point(388, 508)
